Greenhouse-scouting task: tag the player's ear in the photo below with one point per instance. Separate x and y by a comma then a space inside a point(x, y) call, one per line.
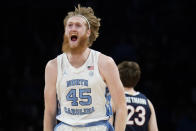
point(88, 32)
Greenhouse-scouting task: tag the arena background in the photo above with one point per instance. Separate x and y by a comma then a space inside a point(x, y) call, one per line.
point(159, 35)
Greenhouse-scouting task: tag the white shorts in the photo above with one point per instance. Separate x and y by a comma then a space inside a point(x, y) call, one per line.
point(94, 126)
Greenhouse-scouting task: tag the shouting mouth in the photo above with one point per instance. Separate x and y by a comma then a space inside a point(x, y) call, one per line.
point(74, 37)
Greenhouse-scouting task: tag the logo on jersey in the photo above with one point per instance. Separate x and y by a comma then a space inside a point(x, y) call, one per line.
point(76, 82)
point(64, 73)
point(91, 69)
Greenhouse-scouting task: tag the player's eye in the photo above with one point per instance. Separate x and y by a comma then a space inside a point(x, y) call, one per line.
point(78, 25)
point(70, 25)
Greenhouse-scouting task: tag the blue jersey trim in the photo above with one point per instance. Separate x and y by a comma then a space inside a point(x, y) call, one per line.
point(108, 103)
point(58, 125)
point(97, 123)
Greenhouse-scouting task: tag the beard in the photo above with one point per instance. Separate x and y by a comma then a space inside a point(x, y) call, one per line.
point(82, 43)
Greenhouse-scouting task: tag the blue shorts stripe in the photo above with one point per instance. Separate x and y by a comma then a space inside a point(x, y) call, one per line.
point(97, 123)
point(58, 126)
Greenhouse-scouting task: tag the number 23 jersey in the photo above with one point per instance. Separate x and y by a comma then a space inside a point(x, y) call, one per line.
point(81, 92)
point(138, 112)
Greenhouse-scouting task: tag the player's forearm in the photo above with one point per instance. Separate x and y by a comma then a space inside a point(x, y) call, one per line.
point(152, 125)
point(121, 118)
point(49, 122)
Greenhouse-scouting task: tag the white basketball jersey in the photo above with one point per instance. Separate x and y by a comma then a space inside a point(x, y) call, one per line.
point(81, 92)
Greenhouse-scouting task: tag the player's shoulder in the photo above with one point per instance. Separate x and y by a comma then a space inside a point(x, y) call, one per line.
point(145, 97)
point(141, 94)
point(51, 64)
point(105, 60)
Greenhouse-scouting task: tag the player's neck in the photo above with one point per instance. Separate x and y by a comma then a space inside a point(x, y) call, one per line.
point(130, 90)
point(77, 59)
point(77, 50)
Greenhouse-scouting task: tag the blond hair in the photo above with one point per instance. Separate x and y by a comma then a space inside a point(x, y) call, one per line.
point(94, 22)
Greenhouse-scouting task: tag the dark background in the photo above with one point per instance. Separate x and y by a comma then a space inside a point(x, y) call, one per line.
point(159, 35)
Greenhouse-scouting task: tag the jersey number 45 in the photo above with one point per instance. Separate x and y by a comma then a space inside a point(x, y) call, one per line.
point(84, 95)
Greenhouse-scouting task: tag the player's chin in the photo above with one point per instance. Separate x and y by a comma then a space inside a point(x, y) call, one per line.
point(73, 44)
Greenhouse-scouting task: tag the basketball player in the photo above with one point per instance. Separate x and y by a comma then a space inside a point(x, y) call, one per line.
point(141, 114)
point(78, 81)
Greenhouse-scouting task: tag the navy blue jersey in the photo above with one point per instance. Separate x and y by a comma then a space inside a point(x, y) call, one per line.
point(138, 112)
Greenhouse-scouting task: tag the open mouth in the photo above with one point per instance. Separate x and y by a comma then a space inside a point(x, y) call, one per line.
point(74, 38)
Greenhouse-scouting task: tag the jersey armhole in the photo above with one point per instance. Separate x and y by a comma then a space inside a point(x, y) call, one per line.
point(59, 71)
point(97, 68)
